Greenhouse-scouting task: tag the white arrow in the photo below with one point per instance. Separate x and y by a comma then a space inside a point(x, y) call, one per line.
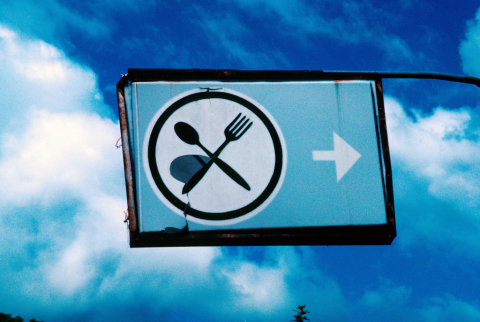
point(343, 154)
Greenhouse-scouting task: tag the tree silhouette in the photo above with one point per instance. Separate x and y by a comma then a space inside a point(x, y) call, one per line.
point(301, 314)
point(8, 318)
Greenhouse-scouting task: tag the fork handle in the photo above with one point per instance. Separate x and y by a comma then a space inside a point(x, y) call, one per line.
point(201, 173)
point(232, 173)
point(227, 169)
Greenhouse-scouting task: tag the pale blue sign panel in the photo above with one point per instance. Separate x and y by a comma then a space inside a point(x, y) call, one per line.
point(248, 155)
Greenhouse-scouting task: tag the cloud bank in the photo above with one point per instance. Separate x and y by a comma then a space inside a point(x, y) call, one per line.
point(437, 176)
point(64, 244)
point(443, 148)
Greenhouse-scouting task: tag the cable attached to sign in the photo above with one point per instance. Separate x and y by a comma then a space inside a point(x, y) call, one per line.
point(184, 230)
point(211, 88)
point(117, 145)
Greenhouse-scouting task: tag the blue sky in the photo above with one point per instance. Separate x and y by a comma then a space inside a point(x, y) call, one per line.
point(64, 251)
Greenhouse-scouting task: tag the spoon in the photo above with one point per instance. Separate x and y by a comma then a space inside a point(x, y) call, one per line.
point(189, 135)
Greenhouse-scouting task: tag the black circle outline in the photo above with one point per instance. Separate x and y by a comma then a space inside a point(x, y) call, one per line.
point(180, 204)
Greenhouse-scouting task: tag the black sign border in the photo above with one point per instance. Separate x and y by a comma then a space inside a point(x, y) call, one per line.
point(157, 178)
point(382, 234)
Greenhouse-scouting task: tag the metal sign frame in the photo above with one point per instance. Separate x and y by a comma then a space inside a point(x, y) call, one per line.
point(336, 235)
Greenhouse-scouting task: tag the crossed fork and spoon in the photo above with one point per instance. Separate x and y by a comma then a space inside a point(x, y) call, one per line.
point(234, 131)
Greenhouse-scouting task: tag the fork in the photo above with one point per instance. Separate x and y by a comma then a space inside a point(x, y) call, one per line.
point(234, 131)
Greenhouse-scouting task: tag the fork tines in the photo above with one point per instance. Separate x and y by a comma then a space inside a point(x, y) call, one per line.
point(235, 128)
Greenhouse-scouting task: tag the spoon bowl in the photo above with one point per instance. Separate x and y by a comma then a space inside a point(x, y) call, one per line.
point(187, 133)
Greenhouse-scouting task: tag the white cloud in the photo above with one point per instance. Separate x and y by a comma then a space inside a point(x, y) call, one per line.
point(59, 155)
point(449, 308)
point(344, 21)
point(262, 288)
point(62, 195)
point(49, 18)
point(392, 302)
point(288, 10)
point(64, 243)
point(284, 278)
point(436, 175)
point(36, 76)
point(470, 47)
point(98, 263)
point(387, 292)
point(228, 36)
point(53, 141)
point(443, 148)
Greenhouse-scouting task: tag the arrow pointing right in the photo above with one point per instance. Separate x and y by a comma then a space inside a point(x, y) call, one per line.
point(343, 154)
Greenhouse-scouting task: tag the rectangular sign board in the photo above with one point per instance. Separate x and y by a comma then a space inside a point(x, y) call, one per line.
point(255, 158)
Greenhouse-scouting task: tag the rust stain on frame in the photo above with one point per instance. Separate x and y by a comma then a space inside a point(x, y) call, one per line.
point(132, 213)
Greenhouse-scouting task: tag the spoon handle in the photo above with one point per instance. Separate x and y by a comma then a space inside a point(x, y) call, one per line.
point(199, 175)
